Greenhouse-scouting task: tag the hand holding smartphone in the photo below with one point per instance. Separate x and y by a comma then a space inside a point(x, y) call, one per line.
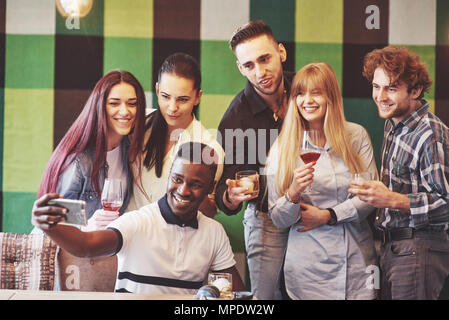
point(76, 210)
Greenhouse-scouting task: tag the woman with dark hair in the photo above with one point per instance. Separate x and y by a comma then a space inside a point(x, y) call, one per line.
point(179, 92)
point(99, 144)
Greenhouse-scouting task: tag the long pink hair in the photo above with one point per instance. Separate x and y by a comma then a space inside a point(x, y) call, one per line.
point(90, 131)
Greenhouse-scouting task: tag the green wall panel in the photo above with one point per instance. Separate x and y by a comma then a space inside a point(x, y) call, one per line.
point(130, 54)
point(28, 137)
point(128, 18)
point(364, 112)
point(222, 75)
point(279, 15)
point(331, 53)
point(319, 21)
point(29, 61)
point(17, 208)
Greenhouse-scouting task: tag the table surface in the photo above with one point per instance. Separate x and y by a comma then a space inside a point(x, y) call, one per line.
point(80, 295)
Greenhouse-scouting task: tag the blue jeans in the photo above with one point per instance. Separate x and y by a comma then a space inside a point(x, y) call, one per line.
point(415, 269)
point(265, 248)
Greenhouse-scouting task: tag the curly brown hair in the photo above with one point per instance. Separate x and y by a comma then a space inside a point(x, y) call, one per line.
point(400, 64)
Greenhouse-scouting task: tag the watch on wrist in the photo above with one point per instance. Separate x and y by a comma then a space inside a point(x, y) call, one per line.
point(289, 199)
point(333, 219)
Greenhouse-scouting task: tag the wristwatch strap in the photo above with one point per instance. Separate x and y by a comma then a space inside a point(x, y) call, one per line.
point(333, 220)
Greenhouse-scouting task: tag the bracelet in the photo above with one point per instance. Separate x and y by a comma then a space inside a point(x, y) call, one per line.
point(333, 220)
point(289, 199)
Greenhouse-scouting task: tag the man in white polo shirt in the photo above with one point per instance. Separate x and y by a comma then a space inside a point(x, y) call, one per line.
point(165, 247)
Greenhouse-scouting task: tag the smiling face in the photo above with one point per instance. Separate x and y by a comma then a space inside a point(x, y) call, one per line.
point(260, 61)
point(312, 105)
point(188, 185)
point(392, 99)
point(121, 108)
point(177, 97)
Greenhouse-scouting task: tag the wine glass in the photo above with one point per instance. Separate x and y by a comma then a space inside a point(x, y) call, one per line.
point(359, 176)
point(310, 152)
point(112, 195)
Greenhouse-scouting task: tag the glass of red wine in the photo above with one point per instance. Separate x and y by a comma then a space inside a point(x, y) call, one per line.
point(112, 196)
point(310, 152)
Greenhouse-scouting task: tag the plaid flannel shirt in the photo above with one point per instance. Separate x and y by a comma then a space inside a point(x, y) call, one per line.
point(415, 162)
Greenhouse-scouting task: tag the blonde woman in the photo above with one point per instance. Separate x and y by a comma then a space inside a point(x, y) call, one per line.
point(330, 246)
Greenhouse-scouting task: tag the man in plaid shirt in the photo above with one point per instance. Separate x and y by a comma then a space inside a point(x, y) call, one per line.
point(412, 195)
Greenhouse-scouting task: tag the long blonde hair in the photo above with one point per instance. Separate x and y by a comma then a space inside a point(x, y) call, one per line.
point(288, 144)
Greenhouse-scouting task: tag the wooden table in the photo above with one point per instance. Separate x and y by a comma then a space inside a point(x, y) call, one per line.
point(79, 295)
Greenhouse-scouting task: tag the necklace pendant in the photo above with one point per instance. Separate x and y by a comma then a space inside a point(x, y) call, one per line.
point(275, 116)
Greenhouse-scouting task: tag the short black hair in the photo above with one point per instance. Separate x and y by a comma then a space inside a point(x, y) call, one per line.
point(199, 153)
point(249, 31)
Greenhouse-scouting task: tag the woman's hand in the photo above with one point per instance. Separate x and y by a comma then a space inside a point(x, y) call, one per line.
point(44, 216)
point(302, 177)
point(100, 219)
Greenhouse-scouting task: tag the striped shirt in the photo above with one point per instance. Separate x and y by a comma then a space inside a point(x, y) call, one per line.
point(415, 162)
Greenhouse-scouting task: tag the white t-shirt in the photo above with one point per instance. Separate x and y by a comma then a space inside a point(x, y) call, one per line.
point(164, 258)
point(155, 187)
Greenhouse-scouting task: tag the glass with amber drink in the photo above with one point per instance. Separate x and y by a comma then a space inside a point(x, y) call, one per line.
point(248, 179)
point(223, 281)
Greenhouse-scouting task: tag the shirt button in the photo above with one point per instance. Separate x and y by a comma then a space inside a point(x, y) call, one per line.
point(91, 197)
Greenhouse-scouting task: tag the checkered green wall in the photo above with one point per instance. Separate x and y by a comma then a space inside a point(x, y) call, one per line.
point(47, 70)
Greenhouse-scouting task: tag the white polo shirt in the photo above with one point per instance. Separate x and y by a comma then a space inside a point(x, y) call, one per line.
point(156, 255)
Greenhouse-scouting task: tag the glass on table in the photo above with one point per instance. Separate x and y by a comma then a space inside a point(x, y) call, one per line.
point(223, 281)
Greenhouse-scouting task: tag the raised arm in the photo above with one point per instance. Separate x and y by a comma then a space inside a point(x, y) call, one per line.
point(70, 238)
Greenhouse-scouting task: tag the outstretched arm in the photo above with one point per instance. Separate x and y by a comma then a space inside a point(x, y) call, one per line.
point(70, 238)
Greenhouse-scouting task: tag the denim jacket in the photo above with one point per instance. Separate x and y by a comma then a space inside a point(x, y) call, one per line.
point(75, 182)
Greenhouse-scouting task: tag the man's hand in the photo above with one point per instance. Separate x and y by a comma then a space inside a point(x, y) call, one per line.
point(44, 216)
point(378, 195)
point(312, 217)
point(236, 195)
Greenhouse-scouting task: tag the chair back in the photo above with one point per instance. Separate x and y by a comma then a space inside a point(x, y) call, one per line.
point(27, 261)
point(86, 274)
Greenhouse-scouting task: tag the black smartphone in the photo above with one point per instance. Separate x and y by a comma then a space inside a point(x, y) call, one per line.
point(243, 295)
point(76, 210)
